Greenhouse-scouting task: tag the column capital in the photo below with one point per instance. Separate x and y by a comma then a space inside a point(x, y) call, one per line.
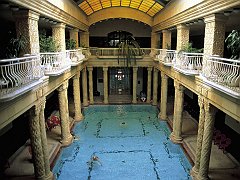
point(215, 18)
point(201, 101)
point(149, 68)
point(77, 75)
point(90, 68)
point(74, 30)
point(166, 31)
point(26, 14)
point(59, 25)
point(209, 108)
point(164, 76)
point(63, 86)
point(182, 26)
point(105, 68)
point(178, 86)
point(135, 69)
point(155, 70)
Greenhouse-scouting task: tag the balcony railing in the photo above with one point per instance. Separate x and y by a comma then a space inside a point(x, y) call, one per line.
point(189, 63)
point(223, 74)
point(75, 56)
point(55, 63)
point(86, 52)
point(19, 75)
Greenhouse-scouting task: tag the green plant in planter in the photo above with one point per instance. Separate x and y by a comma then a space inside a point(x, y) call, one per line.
point(128, 49)
point(189, 49)
point(71, 44)
point(14, 47)
point(233, 43)
point(47, 44)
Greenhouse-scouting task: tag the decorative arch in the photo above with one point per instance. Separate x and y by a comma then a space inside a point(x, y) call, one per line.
point(120, 12)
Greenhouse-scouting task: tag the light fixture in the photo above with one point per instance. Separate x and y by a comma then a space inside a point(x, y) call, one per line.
point(42, 18)
point(46, 19)
point(14, 8)
point(236, 10)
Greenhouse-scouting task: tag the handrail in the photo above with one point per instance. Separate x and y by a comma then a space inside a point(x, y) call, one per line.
point(75, 56)
point(55, 63)
point(189, 63)
point(17, 73)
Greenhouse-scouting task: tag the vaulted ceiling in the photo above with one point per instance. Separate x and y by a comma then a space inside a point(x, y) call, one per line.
point(150, 7)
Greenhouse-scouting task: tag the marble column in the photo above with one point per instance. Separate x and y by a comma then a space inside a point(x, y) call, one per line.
point(166, 39)
point(77, 99)
point(105, 81)
point(164, 92)
point(84, 87)
point(90, 84)
point(66, 136)
point(176, 135)
point(74, 36)
point(214, 34)
point(155, 86)
point(149, 84)
point(84, 39)
point(135, 70)
point(36, 142)
point(48, 173)
point(26, 22)
point(154, 40)
point(58, 34)
point(207, 140)
point(182, 36)
point(196, 166)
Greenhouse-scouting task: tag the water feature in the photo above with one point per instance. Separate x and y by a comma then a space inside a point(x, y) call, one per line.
point(122, 142)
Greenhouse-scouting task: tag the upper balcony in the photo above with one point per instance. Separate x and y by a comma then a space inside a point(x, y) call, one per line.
point(222, 74)
point(75, 56)
point(19, 75)
point(55, 63)
point(166, 57)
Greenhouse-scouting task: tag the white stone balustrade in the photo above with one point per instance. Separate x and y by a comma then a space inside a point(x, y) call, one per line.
point(86, 52)
point(75, 56)
point(222, 74)
point(55, 63)
point(189, 63)
point(166, 57)
point(114, 52)
point(19, 75)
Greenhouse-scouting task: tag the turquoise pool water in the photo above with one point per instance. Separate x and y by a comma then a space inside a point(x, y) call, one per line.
point(122, 142)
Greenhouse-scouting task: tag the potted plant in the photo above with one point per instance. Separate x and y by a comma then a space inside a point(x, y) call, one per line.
point(128, 49)
point(47, 44)
point(71, 44)
point(233, 44)
point(14, 47)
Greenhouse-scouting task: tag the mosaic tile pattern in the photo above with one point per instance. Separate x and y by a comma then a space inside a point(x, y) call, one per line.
point(130, 143)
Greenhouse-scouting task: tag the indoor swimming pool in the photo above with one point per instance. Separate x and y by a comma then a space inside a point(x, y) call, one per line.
point(122, 142)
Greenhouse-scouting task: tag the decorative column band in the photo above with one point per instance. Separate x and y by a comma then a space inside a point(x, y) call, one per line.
point(90, 84)
point(105, 81)
point(135, 69)
point(64, 115)
point(178, 109)
point(164, 91)
point(58, 33)
point(182, 36)
point(76, 96)
point(149, 84)
point(155, 86)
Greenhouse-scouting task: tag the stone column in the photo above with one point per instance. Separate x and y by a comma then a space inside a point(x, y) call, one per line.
point(176, 135)
point(74, 36)
point(90, 84)
point(195, 169)
point(77, 98)
point(166, 39)
point(207, 140)
point(164, 92)
point(155, 86)
point(58, 34)
point(84, 39)
point(48, 173)
point(67, 138)
point(154, 40)
point(135, 69)
point(27, 27)
point(182, 36)
point(149, 84)
point(105, 81)
point(214, 34)
point(36, 143)
point(84, 87)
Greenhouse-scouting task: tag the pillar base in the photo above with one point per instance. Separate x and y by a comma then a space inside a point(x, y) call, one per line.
point(67, 141)
point(50, 176)
point(134, 101)
point(91, 102)
point(105, 102)
point(201, 178)
point(175, 139)
point(161, 117)
point(79, 118)
point(154, 103)
point(194, 173)
point(85, 104)
point(40, 178)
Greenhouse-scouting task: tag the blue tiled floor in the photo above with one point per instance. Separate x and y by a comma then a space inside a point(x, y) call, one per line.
point(131, 143)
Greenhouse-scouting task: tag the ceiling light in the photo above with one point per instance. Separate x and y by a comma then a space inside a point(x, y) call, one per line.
point(227, 13)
